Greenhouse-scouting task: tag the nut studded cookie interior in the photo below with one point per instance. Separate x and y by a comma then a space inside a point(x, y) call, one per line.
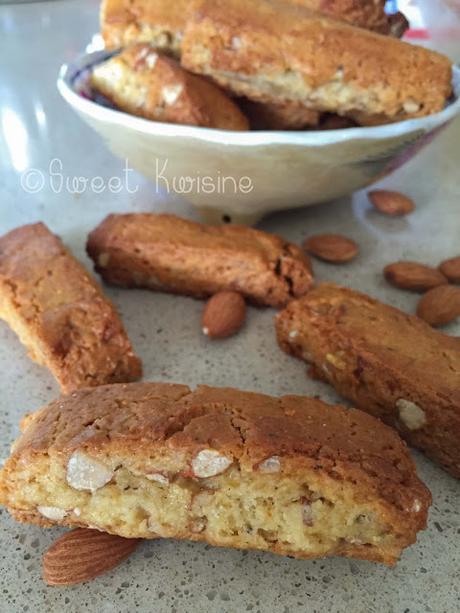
point(258, 511)
point(217, 465)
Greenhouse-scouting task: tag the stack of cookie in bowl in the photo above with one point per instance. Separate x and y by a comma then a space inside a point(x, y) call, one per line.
point(263, 64)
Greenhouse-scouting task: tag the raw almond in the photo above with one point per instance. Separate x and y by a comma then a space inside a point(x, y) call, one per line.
point(223, 314)
point(440, 305)
point(391, 203)
point(82, 554)
point(451, 269)
point(333, 248)
point(413, 276)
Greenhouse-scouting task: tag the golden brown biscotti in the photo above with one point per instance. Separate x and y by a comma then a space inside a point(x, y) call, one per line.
point(167, 253)
point(60, 313)
point(283, 116)
point(162, 22)
point(274, 52)
point(366, 14)
point(144, 83)
point(386, 362)
point(290, 475)
point(158, 22)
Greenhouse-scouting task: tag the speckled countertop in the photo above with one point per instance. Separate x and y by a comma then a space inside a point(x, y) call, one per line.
point(174, 576)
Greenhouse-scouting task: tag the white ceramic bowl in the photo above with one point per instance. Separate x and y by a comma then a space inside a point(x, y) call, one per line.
point(241, 176)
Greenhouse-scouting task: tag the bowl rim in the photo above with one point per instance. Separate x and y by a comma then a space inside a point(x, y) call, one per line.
point(69, 71)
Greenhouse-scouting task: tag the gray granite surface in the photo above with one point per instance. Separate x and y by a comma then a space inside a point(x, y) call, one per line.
point(173, 576)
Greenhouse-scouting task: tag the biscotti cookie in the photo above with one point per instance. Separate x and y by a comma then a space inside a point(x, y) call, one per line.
point(386, 362)
point(162, 22)
point(290, 475)
point(144, 83)
point(287, 53)
point(285, 116)
point(158, 22)
point(60, 313)
point(167, 253)
point(360, 13)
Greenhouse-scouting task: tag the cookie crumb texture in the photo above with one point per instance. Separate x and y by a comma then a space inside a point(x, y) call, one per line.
point(160, 23)
point(290, 475)
point(59, 312)
point(386, 362)
point(167, 253)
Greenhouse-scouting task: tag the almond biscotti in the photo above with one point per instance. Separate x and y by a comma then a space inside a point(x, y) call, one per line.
point(160, 23)
point(361, 13)
point(167, 253)
point(287, 53)
point(386, 362)
point(59, 312)
point(142, 82)
point(290, 475)
point(283, 116)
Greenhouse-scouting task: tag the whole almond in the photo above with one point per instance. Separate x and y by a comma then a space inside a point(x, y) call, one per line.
point(223, 314)
point(451, 269)
point(413, 276)
point(333, 248)
point(440, 305)
point(391, 203)
point(82, 554)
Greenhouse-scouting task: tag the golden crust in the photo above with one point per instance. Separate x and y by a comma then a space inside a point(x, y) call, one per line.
point(384, 361)
point(274, 52)
point(162, 22)
point(60, 313)
point(144, 83)
point(157, 22)
point(167, 253)
point(132, 425)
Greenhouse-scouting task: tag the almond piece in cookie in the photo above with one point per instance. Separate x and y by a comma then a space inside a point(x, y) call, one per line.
point(290, 475)
point(142, 82)
point(167, 253)
point(60, 313)
point(386, 362)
